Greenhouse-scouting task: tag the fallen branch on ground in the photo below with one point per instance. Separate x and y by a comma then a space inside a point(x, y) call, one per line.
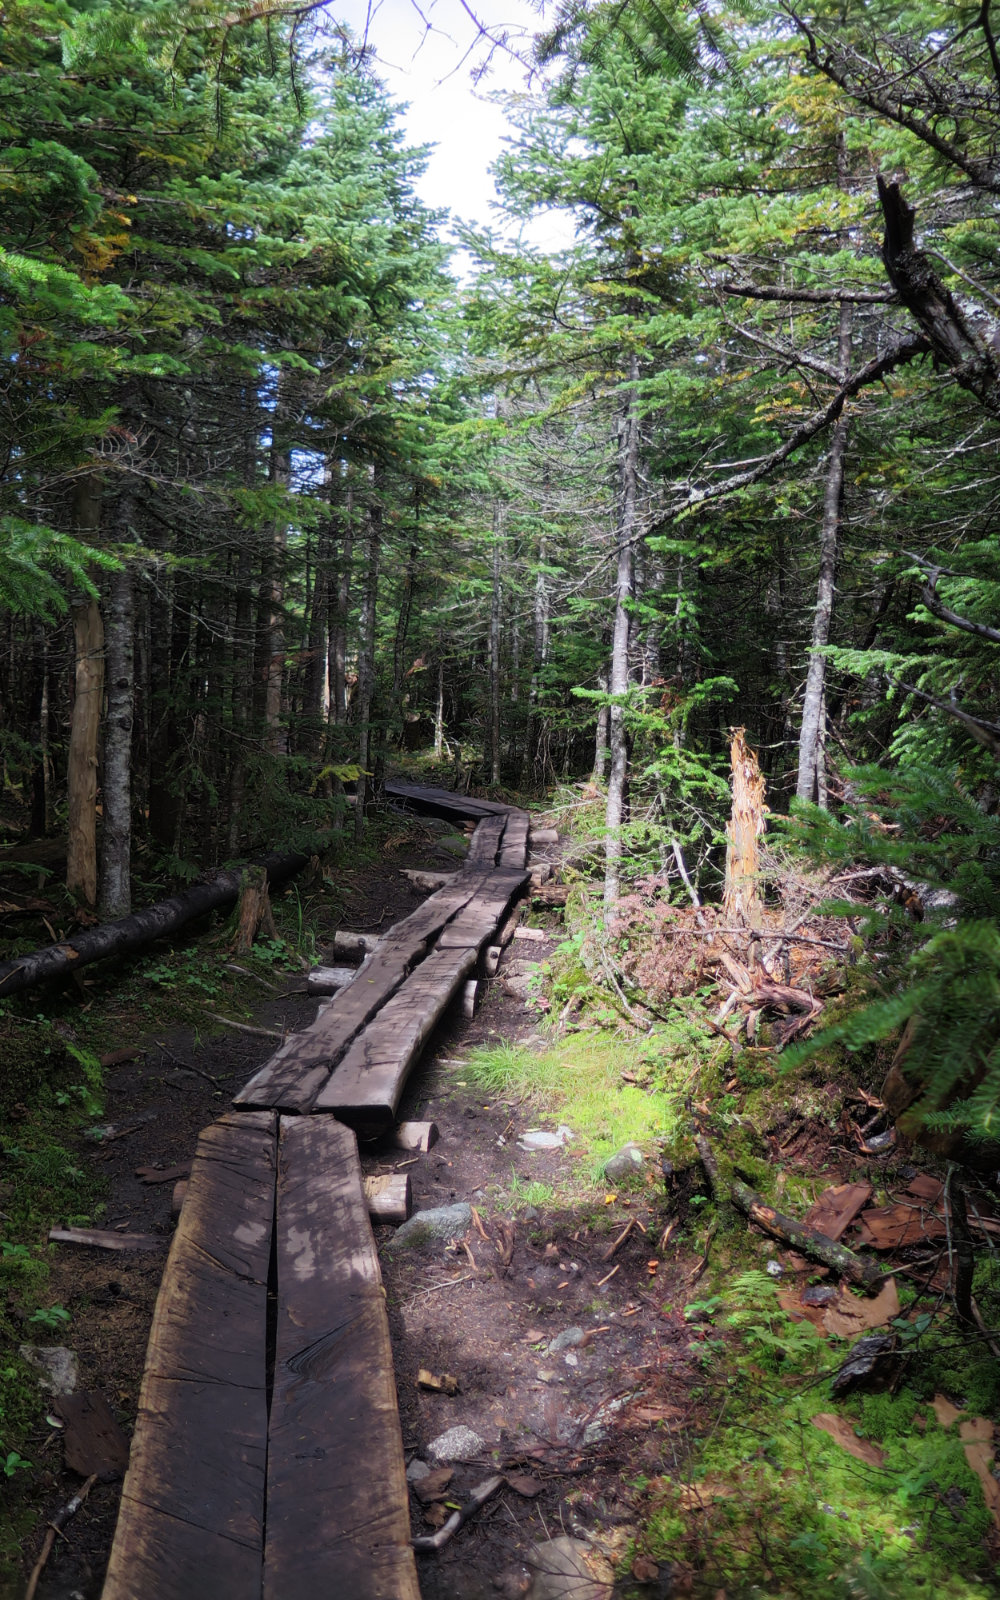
point(430, 1543)
point(56, 1525)
point(796, 1235)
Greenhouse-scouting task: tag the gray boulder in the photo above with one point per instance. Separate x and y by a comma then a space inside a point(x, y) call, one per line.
point(429, 1227)
point(627, 1162)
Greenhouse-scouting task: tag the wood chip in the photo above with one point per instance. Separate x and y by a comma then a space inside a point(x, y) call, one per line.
point(163, 1174)
point(835, 1209)
point(522, 1484)
point(851, 1314)
point(95, 1445)
point(443, 1384)
point(102, 1239)
point(434, 1486)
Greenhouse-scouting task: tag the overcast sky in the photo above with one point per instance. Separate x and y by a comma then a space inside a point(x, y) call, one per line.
point(432, 71)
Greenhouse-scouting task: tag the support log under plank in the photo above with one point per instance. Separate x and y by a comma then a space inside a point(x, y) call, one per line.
point(192, 1508)
point(337, 1505)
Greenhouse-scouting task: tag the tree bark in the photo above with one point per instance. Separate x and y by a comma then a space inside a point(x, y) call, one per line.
point(628, 455)
point(116, 789)
point(85, 724)
point(492, 762)
point(366, 661)
point(810, 783)
point(132, 932)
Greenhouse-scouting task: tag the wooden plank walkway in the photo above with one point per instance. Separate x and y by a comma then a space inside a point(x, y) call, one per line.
point(267, 1459)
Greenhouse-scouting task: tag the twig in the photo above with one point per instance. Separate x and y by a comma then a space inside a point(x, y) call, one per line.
point(244, 972)
point(682, 869)
point(57, 1523)
point(427, 1544)
point(185, 1066)
point(447, 1283)
point(608, 1276)
point(244, 1027)
point(619, 1241)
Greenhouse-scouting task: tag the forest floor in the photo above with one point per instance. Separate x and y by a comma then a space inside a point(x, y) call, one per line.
point(649, 1374)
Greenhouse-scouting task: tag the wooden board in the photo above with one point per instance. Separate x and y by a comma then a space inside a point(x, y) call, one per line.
point(444, 802)
point(367, 1086)
point(514, 847)
point(293, 1076)
point(485, 843)
point(337, 1506)
point(480, 919)
point(192, 1505)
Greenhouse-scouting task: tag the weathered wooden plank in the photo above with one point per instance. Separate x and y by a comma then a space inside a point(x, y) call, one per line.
point(337, 1508)
point(443, 802)
point(191, 1517)
point(514, 849)
point(485, 843)
point(365, 1089)
point(479, 920)
point(293, 1076)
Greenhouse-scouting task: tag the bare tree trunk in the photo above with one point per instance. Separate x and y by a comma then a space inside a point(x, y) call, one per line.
point(116, 789)
point(810, 783)
point(539, 659)
point(628, 452)
point(276, 734)
point(85, 724)
point(439, 713)
point(601, 736)
point(366, 661)
point(745, 826)
point(492, 762)
point(341, 611)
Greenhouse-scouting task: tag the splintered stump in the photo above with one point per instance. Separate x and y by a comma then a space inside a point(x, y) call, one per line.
point(743, 831)
point(254, 914)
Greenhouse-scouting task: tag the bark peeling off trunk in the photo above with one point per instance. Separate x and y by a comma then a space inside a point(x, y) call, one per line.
point(745, 826)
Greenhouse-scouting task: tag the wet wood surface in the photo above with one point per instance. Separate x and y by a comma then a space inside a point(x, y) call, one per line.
point(337, 1506)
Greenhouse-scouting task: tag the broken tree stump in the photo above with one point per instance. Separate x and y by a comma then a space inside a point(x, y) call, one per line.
point(253, 912)
point(388, 1197)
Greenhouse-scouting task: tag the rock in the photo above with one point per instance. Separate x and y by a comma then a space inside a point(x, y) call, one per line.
point(542, 1139)
point(427, 1227)
point(457, 1444)
point(571, 1358)
point(565, 1340)
point(546, 1375)
point(58, 1366)
point(627, 1162)
point(561, 1572)
point(417, 1470)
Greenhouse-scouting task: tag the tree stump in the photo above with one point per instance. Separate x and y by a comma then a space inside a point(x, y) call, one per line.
point(743, 830)
point(253, 913)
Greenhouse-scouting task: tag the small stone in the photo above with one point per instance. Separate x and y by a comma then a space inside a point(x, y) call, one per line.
point(546, 1375)
point(59, 1367)
point(417, 1470)
point(457, 1444)
point(565, 1340)
point(774, 1268)
point(571, 1358)
point(428, 1227)
point(542, 1139)
point(627, 1162)
point(561, 1572)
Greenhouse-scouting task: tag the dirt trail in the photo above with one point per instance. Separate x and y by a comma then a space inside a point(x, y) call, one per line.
point(580, 1421)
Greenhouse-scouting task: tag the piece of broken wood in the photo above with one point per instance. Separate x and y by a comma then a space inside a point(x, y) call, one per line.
point(430, 882)
point(835, 1209)
point(437, 1383)
point(107, 1239)
point(786, 1229)
point(535, 934)
point(348, 943)
point(56, 1525)
point(94, 1444)
point(431, 1543)
point(388, 1197)
point(413, 1136)
point(328, 980)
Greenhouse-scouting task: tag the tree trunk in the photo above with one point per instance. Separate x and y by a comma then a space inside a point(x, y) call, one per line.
point(341, 598)
point(85, 725)
point(745, 826)
point(492, 762)
point(601, 735)
point(439, 713)
point(539, 659)
point(116, 789)
point(366, 661)
point(810, 783)
point(628, 455)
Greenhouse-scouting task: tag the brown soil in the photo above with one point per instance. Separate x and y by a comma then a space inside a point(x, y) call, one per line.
point(583, 1423)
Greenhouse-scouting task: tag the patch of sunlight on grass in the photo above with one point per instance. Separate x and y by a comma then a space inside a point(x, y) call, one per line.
point(579, 1081)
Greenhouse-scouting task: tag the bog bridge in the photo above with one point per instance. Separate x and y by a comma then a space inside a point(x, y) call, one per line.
point(267, 1458)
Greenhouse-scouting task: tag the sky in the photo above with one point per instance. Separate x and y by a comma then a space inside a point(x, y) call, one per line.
point(432, 70)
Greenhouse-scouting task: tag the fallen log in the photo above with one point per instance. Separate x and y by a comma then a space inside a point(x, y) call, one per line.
point(543, 836)
point(796, 1235)
point(346, 943)
point(130, 933)
point(413, 1135)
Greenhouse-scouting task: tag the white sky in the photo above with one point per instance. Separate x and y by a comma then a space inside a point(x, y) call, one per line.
point(446, 109)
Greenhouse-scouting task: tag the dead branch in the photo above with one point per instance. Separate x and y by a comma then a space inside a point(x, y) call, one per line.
point(427, 1544)
point(56, 1525)
point(796, 1235)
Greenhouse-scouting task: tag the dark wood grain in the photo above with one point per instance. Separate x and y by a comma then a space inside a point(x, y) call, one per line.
point(485, 843)
point(337, 1510)
point(443, 802)
point(514, 846)
point(366, 1088)
point(294, 1075)
point(192, 1506)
